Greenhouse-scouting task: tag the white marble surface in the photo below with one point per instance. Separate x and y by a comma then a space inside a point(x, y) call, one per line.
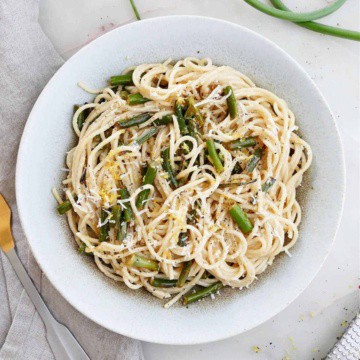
point(308, 328)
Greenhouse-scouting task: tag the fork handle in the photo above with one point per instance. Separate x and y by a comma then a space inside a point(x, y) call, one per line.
point(62, 342)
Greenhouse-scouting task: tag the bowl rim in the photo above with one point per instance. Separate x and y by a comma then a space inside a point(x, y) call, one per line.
point(31, 118)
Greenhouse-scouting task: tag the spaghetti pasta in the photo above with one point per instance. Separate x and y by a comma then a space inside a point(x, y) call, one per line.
point(203, 162)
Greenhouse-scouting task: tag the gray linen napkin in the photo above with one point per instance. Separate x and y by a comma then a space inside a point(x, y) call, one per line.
point(27, 61)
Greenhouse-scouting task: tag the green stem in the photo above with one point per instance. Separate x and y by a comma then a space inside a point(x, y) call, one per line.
point(166, 119)
point(242, 143)
point(215, 159)
point(321, 28)
point(118, 80)
point(134, 121)
point(240, 217)
point(65, 206)
point(167, 167)
point(136, 99)
point(212, 289)
point(193, 112)
point(104, 228)
point(148, 179)
point(128, 213)
point(185, 271)
point(239, 183)
point(135, 9)
point(147, 135)
point(179, 113)
point(231, 102)
point(296, 17)
point(254, 160)
point(192, 128)
point(121, 233)
point(81, 117)
point(124, 94)
point(268, 184)
point(142, 262)
point(116, 216)
point(164, 283)
point(82, 250)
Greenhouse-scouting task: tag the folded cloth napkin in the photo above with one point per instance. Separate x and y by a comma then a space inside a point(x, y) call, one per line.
point(27, 61)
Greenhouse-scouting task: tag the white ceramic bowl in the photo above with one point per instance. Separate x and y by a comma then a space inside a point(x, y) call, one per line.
point(48, 135)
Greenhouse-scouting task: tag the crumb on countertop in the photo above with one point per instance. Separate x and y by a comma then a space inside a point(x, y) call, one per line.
point(292, 342)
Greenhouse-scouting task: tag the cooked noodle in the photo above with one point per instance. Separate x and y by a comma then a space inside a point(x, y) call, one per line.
point(107, 158)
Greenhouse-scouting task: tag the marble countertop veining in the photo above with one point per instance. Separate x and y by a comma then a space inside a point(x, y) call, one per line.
point(308, 328)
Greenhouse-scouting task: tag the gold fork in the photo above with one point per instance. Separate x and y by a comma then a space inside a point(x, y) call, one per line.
point(62, 342)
